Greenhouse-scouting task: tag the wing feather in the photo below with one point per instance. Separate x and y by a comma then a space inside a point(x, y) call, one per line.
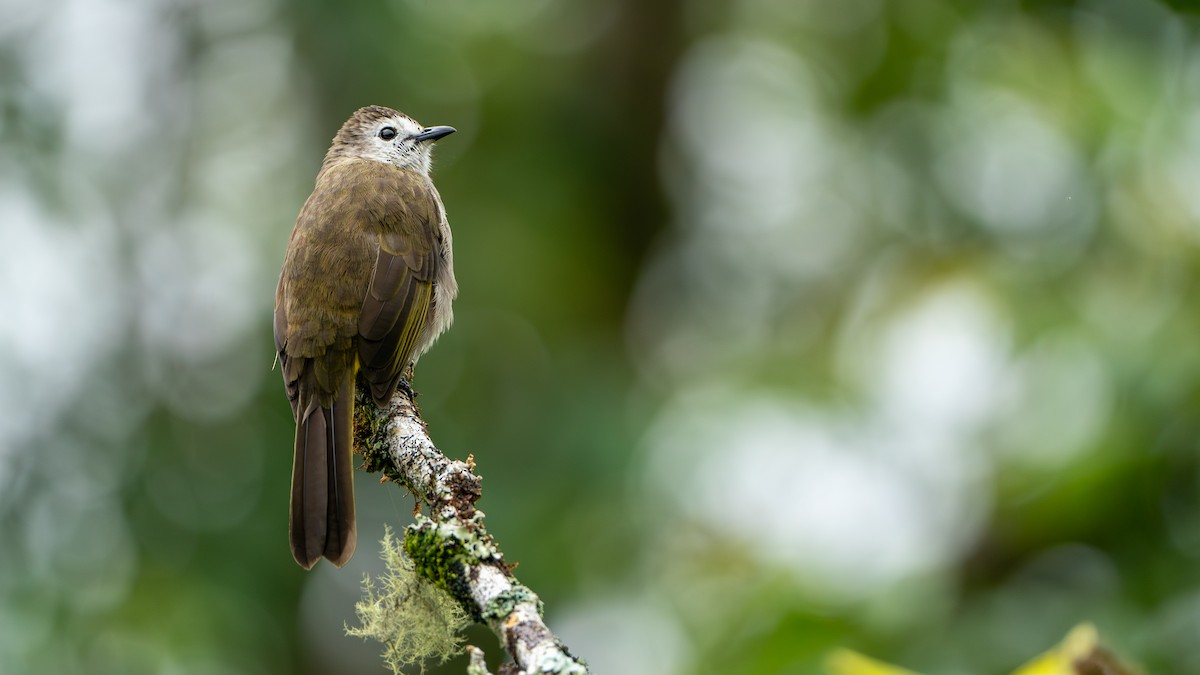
point(397, 302)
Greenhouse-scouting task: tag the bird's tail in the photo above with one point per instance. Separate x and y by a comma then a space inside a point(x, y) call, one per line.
point(322, 513)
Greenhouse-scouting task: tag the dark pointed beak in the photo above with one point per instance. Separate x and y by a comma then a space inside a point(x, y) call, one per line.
point(433, 133)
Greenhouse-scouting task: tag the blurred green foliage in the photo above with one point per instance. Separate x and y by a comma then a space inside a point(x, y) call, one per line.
point(784, 326)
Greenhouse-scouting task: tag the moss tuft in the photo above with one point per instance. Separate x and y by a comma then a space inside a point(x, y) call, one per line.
point(414, 619)
point(441, 554)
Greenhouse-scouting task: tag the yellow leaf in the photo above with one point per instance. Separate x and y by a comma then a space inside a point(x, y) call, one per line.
point(846, 662)
point(1079, 643)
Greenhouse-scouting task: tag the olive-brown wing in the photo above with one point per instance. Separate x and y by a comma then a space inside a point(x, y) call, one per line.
point(397, 302)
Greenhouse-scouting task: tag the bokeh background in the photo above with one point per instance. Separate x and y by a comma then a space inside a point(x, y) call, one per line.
point(785, 325)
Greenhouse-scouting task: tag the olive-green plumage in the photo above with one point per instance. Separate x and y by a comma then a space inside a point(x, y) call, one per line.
point(366, 288)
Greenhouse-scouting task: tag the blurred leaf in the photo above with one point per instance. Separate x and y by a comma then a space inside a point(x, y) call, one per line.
point(846, 662)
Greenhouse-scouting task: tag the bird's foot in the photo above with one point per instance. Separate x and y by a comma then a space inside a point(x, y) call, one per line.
point(405, 387)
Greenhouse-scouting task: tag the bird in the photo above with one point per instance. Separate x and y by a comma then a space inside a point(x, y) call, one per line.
point(365, 289)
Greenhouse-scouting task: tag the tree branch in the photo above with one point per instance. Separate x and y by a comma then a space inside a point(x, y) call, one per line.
point(450, 546)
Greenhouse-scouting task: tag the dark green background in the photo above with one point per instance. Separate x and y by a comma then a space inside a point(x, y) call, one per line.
point(783, 326)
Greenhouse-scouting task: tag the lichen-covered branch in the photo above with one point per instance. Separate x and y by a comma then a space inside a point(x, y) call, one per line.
point(450, 546)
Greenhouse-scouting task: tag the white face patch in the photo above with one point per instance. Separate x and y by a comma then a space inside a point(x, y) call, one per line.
point(392, 143)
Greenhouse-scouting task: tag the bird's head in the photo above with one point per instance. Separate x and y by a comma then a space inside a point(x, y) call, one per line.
point(384, 135)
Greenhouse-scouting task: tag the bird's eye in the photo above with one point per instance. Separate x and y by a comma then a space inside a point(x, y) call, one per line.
point(387, 133)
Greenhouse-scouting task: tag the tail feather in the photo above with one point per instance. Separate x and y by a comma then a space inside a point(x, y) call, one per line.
point(341, 533)
point(322, 509)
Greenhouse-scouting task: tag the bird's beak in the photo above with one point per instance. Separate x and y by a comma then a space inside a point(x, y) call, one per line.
point(433, 133)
